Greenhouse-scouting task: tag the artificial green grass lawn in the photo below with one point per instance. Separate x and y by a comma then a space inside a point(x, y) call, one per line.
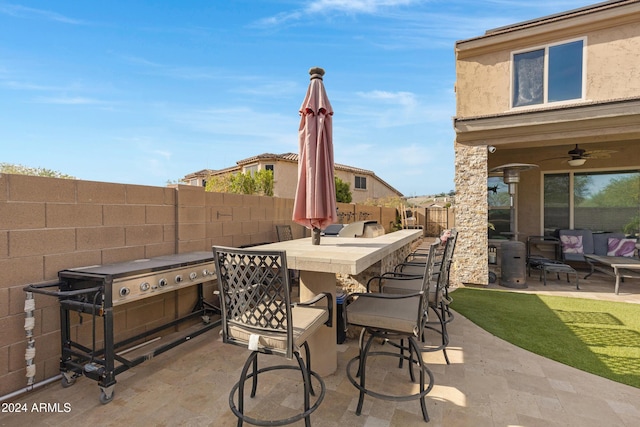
point(595, 336)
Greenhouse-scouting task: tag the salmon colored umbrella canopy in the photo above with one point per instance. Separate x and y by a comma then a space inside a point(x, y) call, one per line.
point(315, 200)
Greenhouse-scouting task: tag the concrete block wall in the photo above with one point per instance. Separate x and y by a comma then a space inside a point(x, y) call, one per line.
point(49, 224)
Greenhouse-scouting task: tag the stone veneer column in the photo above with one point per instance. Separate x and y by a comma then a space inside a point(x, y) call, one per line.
point(470, 258)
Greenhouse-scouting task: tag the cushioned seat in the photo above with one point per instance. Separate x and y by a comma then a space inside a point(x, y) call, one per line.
point(306, 320)
point(388, 316)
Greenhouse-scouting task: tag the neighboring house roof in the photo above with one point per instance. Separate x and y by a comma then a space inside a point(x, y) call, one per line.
point(287, 157)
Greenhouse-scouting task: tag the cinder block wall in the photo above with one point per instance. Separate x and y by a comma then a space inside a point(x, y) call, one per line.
point(49, 224)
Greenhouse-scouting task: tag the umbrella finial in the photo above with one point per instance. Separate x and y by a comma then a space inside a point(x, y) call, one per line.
point(316, 73)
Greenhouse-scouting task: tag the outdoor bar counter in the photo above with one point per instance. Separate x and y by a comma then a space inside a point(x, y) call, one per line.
point(318, 266)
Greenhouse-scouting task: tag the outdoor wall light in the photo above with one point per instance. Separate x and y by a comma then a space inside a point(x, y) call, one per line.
point(491, 148)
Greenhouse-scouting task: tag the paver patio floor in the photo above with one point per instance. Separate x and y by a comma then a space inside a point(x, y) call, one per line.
point(488, 383)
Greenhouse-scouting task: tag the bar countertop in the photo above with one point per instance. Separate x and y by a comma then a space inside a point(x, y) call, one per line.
point(346, 255)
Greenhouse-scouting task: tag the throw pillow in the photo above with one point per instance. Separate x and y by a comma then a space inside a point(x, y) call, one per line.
point(621, 247)
point(571, 244)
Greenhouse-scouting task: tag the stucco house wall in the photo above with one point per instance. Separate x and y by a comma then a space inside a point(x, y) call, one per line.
point(606, 118)
point(483, 65)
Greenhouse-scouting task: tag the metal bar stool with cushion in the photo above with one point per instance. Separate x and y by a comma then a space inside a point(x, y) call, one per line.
point(391, 317)
point(257, 314)
point(439, 299)
point(284, 233)
point(413, 265)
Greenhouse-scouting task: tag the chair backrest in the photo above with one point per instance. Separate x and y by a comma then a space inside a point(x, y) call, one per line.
point(430, 267)
point(447, 259)
point(535, 240)
point(576, 243)
point(254, 294)
point(284, 232)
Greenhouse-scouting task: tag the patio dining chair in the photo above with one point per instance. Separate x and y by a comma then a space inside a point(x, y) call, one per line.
point(257, 314)
point(414, 263)
point(284, 232)
point(439, 299)
point(391, 317)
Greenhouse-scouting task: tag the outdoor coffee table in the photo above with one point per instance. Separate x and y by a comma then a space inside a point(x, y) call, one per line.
point(617, 266)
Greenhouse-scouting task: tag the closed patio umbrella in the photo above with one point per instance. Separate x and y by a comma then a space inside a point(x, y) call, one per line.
point(315, 201)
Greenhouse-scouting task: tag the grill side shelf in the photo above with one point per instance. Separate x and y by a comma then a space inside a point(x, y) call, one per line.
point(42, 288)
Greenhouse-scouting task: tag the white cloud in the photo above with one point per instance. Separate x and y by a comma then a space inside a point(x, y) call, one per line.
point(163, 153)
point(138, 60)
point(405, 99)
point(31, 13)
point(75, 100)
point(330, 6)
point(243, 124)
point(16, 85)
point(356, 6)
point(385, 109)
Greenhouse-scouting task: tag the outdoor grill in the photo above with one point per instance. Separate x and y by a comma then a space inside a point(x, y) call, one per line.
point(365, 229)
point(96, 290)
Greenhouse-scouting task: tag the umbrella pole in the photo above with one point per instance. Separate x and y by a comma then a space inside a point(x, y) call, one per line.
point(315, 236)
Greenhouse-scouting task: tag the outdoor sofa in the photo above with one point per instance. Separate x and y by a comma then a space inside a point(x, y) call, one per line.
point(610, 253)
point(576, 244)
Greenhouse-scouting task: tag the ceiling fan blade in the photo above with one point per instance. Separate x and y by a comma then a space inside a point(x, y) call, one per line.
point(599, 154)
point(564, 158)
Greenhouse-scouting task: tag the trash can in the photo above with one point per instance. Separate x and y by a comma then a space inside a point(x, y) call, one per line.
point(341, 327)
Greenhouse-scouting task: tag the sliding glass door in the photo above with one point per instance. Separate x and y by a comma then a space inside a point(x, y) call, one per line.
point(598, 201)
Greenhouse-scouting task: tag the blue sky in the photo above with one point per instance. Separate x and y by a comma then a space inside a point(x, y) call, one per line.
point(145, 92)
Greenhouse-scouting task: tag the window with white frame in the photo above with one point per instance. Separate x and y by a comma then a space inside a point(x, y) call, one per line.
point(361, 183)
point(553, 73)
point(251, 169)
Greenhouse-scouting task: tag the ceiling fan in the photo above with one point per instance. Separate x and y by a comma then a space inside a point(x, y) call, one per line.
point(578, 156)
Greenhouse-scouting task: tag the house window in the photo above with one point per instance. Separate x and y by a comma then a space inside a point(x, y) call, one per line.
point(268, 167)
point(598, 201)
point(552, 73)
point(361, 183)
point(499, 204)
point(556, 202)
point(251, 169)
